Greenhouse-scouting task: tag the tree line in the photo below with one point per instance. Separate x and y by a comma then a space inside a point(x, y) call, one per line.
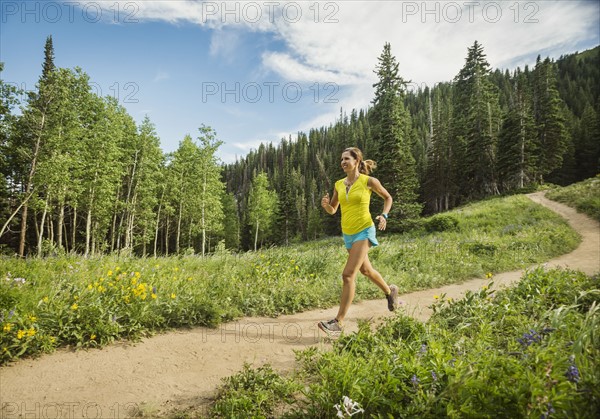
point(80, 175)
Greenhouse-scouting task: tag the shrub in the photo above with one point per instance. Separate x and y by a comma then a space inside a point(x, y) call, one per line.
point(441, 223)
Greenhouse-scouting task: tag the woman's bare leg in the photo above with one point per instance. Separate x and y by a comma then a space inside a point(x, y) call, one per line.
point(367, 270)
point(356, 258)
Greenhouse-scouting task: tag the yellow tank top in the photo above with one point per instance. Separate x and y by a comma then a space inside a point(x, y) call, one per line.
point(355, 205)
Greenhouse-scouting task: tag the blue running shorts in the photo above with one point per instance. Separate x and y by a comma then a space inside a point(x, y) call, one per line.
point(366, 234)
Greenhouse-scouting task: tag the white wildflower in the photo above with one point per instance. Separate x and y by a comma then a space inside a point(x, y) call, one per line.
point(348, 408)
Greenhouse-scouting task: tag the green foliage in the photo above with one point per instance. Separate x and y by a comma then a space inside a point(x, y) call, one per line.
point(262, 204)
point(477, 116)
point(94, 301)
point(78, 172)
point(584, 196)
point(529, 351)
point(393, 134)
point(253, 393)
point(441, 223)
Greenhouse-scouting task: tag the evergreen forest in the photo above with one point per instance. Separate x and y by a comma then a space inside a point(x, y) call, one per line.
point(81, 176)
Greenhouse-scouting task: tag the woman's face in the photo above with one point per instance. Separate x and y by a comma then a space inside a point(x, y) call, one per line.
point(348, 162)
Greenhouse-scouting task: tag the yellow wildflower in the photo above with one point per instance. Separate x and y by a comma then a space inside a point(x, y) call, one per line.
point(489, 275)
point(31, 332)
point(74, 306)
point(45, 299)
point(32, 319)
point(437, 297)
point(93, 337)
point(52, 339)
point(117, 269)
point(20, 334)
point(137, 274)
point(109, 273)
point(176, 269)
point(143, 296)
point(190, 278)
point(484, 287)
point(154, 296)
point(173, 296)
point(7, 327)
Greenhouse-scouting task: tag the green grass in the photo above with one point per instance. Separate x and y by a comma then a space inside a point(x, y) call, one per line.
point(46, 303)
point(583, 196)
point(529, 351)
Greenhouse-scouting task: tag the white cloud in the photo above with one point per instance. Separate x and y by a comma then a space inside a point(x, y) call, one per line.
point(340, 41)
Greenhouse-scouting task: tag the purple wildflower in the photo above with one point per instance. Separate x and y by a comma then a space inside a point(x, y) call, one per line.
point(572, 374)
point(550, 411)
point(415, 380)
point(529, 338)
point(434, 376)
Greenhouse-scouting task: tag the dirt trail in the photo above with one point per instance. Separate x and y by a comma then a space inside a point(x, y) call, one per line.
point(180, 369)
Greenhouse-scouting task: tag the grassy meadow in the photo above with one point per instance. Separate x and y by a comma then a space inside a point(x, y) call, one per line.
point(48, 303)
point(531, 351)
point(583, 196)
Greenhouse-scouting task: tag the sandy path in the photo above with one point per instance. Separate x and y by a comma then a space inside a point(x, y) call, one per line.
point(182, 368)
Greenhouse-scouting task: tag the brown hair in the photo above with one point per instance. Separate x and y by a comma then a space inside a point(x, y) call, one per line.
point(364, 166)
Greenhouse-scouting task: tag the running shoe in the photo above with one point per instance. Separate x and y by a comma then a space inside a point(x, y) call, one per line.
point(392, 298)
point(332, 327)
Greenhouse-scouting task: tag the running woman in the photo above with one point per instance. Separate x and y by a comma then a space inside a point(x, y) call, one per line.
point(353, 194)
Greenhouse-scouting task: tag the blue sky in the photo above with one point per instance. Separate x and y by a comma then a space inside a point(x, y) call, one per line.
point(258, 71)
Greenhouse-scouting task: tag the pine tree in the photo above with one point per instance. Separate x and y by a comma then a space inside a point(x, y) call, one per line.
point(588, 144)
point(477, 114)
point(552, 135)
point(48, 66)
point(440, 185)
point(392, 132)
point(517, 145)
